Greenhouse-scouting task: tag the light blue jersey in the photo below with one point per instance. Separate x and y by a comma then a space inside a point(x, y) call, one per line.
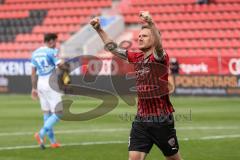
point(45, 60)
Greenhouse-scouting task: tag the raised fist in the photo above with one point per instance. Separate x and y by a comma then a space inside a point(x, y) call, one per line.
point(145, 16)
point(95, 22)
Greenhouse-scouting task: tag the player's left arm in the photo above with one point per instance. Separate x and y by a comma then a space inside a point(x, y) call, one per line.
point(158, 52)
point(63, 65)
point(57, 60)
point(110, 45)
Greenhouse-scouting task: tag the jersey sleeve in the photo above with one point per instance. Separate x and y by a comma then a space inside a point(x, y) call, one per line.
point(54, 57)
point(131, 56)
point(55, 52)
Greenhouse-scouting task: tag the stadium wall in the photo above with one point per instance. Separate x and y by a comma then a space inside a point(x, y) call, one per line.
point(210, 85)
point(111, 77)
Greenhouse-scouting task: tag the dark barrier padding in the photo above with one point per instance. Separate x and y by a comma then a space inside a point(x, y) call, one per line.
point(15, 84)
point(215, 85)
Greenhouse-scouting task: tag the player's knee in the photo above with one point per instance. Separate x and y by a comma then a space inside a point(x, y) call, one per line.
point(46, 128)
point(136, 156)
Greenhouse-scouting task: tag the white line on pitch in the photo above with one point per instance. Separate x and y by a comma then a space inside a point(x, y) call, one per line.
point(209, 128)
point(220, 137)
point(68, 131)
point(211, 137)
point(117, 130)
point(68, 144)
point(120, 142)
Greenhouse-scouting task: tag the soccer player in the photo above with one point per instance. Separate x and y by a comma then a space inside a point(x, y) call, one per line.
point(154, 123)
point(44, 63)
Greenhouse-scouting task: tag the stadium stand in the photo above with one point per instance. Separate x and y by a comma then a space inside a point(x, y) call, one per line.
point(190, 29)
point(25, 21)
point(15, 24)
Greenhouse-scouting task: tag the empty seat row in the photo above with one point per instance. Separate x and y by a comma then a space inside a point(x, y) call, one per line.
point(16, 23)
point(24, 38)
point(55, 5)
point(19, 46)
point(182, 8)
point(156, 2)
point(39, 1)
point(226, 1)
point(199, 25)
point(65, 20)
point(233, 43)
point(58, 29)
point(73, 12)
point(205, 34)
point(177, 2)
point(212, 7)
point(34, 16)
point(22, 14)
point(15, 30)
point(16, 14)
point(187, 17)
point(7, 38)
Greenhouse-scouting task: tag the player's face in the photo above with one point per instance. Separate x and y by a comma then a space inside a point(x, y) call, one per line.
point(52, 43)
point(145, 39)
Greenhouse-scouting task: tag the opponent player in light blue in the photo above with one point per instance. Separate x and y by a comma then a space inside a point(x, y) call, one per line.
point(44, 62)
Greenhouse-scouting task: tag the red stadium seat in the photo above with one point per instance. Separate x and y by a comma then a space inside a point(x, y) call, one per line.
point(61, 16)
point(187, 28)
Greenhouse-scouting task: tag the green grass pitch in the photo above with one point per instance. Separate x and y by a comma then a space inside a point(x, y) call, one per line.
point(208, 128)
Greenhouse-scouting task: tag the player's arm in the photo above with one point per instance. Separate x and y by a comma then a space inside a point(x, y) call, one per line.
point(110, 45)
point(158, 52)
point(58, 61)
point(34, 93)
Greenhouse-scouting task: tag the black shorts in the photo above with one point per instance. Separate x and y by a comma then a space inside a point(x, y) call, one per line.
point(144, 134)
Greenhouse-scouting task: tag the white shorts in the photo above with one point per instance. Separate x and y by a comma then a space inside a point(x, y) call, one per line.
point(50, 99)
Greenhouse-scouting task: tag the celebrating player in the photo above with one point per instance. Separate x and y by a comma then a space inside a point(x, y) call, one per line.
point(154, 123)
point(44, 62)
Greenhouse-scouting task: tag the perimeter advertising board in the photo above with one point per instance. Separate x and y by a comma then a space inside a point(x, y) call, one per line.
point(219, 85)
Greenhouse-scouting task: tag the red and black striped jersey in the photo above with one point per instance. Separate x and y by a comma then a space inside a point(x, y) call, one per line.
point(151, 84)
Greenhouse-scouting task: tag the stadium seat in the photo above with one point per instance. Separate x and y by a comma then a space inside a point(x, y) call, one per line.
point(186, 26)
point(25, 21)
